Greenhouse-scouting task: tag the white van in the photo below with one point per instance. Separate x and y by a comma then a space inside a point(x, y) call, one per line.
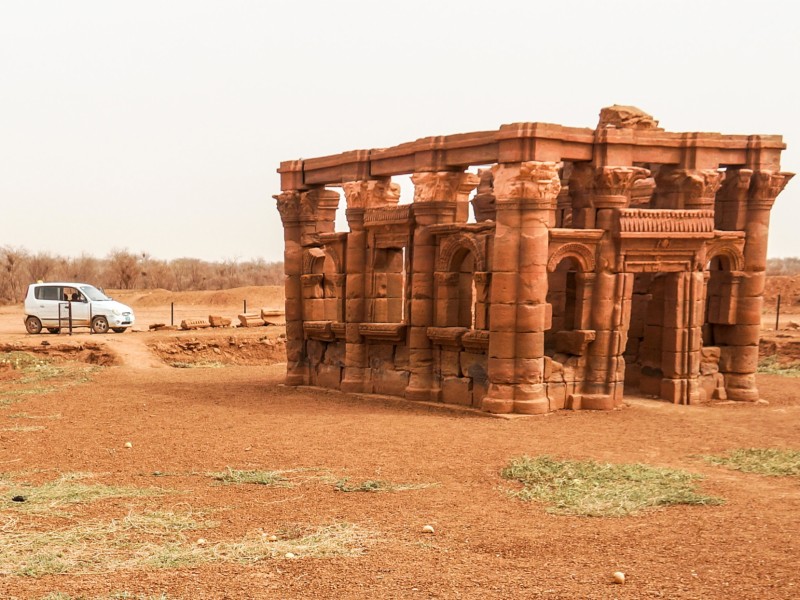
point(52, 305)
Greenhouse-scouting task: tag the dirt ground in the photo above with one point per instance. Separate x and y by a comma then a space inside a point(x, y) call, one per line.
point(231, 411)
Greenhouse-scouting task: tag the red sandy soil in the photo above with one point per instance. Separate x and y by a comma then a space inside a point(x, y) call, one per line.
point(186, 422)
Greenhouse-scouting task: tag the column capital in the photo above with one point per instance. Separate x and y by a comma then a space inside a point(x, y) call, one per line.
point(443, 186)
point(694, 188)
point(295, 206)
point(288, 204)
point(534, 182)
point(371, 193)
point(765, 187)
point(612, 185)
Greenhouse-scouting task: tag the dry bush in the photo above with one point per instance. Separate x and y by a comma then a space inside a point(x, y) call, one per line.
point(783, 266)
point(123, 269)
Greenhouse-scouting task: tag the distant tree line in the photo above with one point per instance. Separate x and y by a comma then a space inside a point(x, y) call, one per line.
point(783, 266)
point(122, 269)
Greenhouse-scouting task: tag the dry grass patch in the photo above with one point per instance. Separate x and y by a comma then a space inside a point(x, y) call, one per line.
point(24, 428)
point(159, 540)
point(38, 375)
point(69, 489)
point(764, 461)
point(256, 477)
point(378, 485)
point(772, 365)
point(588, 488)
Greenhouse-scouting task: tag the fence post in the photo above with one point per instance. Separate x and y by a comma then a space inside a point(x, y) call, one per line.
point(171, 314)
point(245, 307)
point(778, 313)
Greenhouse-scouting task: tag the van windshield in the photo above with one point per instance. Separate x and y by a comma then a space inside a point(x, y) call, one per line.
point(92, 293)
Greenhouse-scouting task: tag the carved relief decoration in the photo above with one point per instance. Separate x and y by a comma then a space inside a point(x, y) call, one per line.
point(697, 186)
point(650, 222)
point(583, 254)
point(288, 204)
point(730, 250)
point(765, 187)
point(451, 246)
point(371, 193)
point(613, 184)
point(447, 186)
point(533, 180)
point(736, 183)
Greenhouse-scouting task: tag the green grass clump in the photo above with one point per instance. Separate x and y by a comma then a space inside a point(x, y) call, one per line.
point(269, 478)
point(377, 485)
point(771, 365)
point(589, 488)
point(764, 461)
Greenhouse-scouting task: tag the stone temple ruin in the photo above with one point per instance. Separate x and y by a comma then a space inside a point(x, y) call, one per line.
point(623, 255)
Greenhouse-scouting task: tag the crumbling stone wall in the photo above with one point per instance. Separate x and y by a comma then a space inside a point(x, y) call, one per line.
point(596, 258)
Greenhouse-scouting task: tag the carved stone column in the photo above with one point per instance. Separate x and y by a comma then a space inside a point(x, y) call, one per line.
point(730, 210)
point(739, 360)
point(304, 215)
point(519, 314)
point(359, 195)
point(605, 373)
point(436, 197)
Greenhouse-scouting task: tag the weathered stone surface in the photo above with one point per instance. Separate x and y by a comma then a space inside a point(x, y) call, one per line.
point(582, 273)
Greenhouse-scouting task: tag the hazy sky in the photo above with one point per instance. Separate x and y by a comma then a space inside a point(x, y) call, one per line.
point(158, 125)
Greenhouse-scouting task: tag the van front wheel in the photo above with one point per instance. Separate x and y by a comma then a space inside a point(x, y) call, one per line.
point(33, 325)
point(99, 325)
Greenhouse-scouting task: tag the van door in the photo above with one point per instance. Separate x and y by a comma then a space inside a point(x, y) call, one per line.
point(48, 299)
point(81, 308)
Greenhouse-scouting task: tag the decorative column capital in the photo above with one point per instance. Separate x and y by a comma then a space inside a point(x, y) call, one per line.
point(315, 205)
point(765, 187)
point(288, 204)
point(697, 188)
point(736, 183)
point(534, 182)
point(371, 193)
point(443, 186)
point(612, 185)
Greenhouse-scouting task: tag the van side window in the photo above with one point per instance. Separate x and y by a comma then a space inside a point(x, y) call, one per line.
point(48, 292)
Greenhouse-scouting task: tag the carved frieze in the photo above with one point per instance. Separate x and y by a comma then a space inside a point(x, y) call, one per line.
point(390, 215)
point(662, 223)
point(534, 182)
point(476, 340)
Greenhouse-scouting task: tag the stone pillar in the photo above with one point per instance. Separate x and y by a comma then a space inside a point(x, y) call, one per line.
point(730, 210)
point(519, 314)
point(304, 215)
point(739, 359)
point(359, 195)
point(603, 386)
point(436, 200)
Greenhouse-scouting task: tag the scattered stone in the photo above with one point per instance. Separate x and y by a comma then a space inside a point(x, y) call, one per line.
point(201, 542)
point(619, 577)
point(290, 555)
point(427, 529)
point(19, 499)
point(273, 538)
point(129, 444)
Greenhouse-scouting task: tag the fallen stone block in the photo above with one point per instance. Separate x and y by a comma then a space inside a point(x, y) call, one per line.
point(194, 324)
point(250, 320)
point(217, 321)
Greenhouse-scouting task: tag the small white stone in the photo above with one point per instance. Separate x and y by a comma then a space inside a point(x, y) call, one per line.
point(273, 538)
point(128, 444)
point(427, 529)
point(289, 555)
point(619, 577)
point(201, 542)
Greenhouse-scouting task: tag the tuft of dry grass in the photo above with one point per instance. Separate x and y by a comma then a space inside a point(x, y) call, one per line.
point(269, 478)
point(69, 489)
point(588, 488)
point(159, 540)
point(378, 485)
point(24, 428)
point(774, 462)
point(772, 365)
